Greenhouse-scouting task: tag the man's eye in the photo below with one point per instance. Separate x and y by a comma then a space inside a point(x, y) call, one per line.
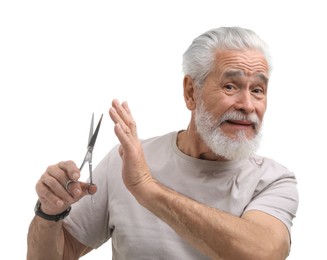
point(229, 87)
point(258, 91)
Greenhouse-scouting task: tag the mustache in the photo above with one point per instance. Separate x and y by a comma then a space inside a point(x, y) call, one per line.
point(236, 115)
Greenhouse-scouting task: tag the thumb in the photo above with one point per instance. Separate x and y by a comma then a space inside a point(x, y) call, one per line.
point(88, 188)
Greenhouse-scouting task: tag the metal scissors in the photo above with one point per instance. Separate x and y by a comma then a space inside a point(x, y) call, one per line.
point(90, 146)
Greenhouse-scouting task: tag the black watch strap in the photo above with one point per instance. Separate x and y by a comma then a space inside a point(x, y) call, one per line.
point(55, 218)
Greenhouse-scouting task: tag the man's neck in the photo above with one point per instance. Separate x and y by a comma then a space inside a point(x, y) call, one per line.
point(190, 143)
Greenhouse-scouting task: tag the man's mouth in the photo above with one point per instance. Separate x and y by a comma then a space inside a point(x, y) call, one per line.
point(241, 123)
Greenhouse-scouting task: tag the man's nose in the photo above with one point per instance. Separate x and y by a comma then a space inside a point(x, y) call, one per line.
point(244, 102)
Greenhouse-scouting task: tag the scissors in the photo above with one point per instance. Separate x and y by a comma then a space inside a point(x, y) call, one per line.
point(90, 146)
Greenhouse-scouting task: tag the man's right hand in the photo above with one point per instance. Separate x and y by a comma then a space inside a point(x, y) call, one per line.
point(51, 187)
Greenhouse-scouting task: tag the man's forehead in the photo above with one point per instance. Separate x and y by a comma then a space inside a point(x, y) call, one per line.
point(241, 63)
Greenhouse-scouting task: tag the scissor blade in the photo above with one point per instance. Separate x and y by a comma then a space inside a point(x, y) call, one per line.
point(91, 130)
point(95, 135)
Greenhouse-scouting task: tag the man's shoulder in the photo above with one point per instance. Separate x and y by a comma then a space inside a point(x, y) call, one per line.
point(165, 138)
point(264, 161)
point(271, 169)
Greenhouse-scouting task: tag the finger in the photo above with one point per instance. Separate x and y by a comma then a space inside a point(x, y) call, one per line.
point(132, 123)
point(57, 187)
point(57, 173)
point(121, 151)
point(56, 179)
point(70, 168)
point(60, 174)
point(118, 121)
point(81, 189)
point(116, 112)
point(124, 138)
point(73, 188)
point(122, 108)
point(51, 203)
point(56, 196)
point(92, 189)
point(120, 113)
point(86, 188)
point(125, 106)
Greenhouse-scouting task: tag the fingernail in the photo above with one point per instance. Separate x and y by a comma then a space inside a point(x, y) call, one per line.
point(60, 203)
point(75, 176)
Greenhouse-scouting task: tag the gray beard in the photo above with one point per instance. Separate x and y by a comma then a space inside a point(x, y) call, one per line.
point(236, 148)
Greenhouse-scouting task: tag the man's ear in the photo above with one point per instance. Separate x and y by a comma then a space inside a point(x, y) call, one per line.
point(189, 92)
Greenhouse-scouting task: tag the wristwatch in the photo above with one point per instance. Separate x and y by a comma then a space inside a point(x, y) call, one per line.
point(55, 218)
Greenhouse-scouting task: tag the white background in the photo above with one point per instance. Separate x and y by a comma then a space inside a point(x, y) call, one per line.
point(62, 60)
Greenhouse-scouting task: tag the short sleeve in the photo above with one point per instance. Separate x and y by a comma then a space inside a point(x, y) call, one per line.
point(279, 199)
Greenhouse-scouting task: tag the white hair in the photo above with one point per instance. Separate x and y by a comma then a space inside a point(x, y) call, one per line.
point(199, 58)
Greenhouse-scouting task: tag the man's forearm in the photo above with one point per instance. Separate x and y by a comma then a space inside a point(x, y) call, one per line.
point(45, 240)
point(217, 234)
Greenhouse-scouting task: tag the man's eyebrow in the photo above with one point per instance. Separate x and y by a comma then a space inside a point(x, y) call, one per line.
point(233, 73)
point(263, 77)
point(240, 73)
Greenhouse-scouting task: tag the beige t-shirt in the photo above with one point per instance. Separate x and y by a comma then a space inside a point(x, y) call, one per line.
point(257, 183)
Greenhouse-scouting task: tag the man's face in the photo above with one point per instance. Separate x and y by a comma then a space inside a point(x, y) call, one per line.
point(231, 105)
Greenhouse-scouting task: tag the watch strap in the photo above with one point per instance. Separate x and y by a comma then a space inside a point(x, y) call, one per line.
point(55, 218)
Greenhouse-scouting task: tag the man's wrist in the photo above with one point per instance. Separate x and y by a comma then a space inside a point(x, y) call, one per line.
point(45, 216)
